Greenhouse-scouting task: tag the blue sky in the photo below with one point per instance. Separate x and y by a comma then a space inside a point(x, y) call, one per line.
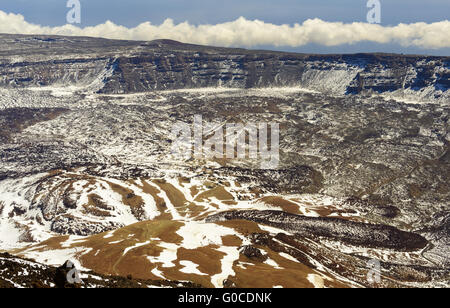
point(130, 13)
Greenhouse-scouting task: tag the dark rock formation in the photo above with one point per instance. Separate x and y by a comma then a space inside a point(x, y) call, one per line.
point(252, 253)
point(350, 232)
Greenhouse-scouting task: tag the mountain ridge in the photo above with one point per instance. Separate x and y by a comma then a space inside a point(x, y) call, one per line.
point(122, 67)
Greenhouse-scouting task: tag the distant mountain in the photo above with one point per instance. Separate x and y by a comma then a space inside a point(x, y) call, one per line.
point(111, 66)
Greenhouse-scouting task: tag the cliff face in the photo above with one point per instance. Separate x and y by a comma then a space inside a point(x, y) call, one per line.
point(337, 74)
point(128, 67)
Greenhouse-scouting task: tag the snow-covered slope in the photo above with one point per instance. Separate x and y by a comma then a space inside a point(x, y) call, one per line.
point(87, 173)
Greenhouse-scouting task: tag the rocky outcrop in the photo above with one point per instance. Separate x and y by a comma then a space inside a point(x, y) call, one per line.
point(252, 253)
point(18, 272)
point(350, 232)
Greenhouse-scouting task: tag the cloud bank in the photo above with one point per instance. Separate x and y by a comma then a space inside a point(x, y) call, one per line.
point(251, 33)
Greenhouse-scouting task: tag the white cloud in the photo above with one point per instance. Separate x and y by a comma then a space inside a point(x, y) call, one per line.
point(251, 33)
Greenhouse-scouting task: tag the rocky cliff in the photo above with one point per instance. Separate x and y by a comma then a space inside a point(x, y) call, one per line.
point(113, 67)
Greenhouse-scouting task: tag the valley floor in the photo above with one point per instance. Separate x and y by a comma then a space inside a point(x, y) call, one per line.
point(363, 182)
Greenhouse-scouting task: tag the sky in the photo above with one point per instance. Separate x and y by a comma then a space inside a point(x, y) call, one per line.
point(228, 21)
